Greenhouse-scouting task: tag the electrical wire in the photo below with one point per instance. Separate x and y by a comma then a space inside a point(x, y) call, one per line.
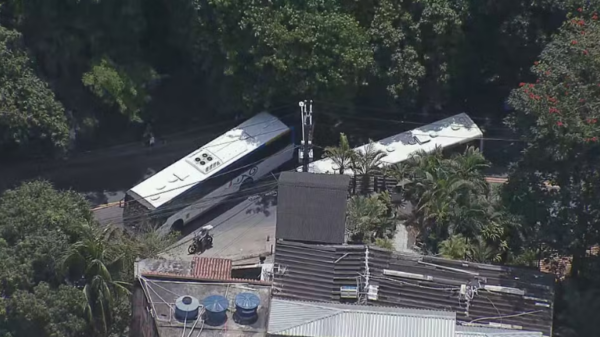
point(387, 111)
point(198, 204)
point(506, 316)
point(420, 124)
point(205, 180)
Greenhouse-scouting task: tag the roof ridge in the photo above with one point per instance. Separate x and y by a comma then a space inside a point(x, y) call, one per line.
point(203, 278)
point(363, 307)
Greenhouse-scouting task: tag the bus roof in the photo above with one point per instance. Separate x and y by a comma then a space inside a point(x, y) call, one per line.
point(444, 133)
point(208, 160)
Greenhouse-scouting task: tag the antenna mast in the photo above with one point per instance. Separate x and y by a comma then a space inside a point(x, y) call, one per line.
point(305, 153)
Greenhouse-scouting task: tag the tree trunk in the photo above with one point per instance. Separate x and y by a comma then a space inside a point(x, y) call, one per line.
point(579, 254)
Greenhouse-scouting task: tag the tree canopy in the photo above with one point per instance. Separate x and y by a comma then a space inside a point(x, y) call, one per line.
point(61, 274)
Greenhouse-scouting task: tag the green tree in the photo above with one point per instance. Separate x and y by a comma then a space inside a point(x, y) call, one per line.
point(45, 312)
point(286, 48)
point(342, 154)
point(37, 226)
point(368, 160)
point(556, 118)
point(416, 44)
point(451, 197)
point(123, 88)
point(371, 219)
point(31, 119)
point(98, 262)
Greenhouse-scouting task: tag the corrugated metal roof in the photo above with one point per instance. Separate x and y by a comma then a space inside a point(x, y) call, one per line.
point(316, 273)
point(211, 267)
point(312, 207)
point(474, 331)
point(292, 318)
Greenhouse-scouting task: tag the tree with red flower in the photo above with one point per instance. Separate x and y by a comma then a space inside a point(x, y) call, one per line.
point(561, 135)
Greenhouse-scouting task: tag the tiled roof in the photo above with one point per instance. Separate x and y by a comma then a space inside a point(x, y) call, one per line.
point(317, 273)
point(211, 267)
point(202, 278)
point(307, 201)
point(200, 269)
point(293, 318)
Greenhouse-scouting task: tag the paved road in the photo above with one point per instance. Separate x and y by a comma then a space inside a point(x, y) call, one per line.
point(242, 232)
point(103, 176)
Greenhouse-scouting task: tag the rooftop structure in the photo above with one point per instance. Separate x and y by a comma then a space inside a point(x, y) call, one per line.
point(484, 295)
point(208, 161)
point(200, 298)
point(311, 319)
point(306, 201)
point(455, 130)
point(470, 331)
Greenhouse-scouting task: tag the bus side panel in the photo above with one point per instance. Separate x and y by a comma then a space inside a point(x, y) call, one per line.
point(230, 188)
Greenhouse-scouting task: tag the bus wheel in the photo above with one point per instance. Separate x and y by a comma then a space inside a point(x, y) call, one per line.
point(177, 225)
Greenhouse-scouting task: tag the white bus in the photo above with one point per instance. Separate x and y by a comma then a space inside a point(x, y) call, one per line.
point(183, 191)
point(448, 132)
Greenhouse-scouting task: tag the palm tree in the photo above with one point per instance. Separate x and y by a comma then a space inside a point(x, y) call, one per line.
point(342, 154)
point(455, 247)
point(449, 195)
point(370, 218)
point(368, 161)
point(95, 265)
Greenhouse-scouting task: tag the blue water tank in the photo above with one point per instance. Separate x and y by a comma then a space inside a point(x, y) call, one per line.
point(246, 308)
point(215, 310)
point(187, 308)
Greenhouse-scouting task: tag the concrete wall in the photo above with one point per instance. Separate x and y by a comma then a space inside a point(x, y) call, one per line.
point(142, 322)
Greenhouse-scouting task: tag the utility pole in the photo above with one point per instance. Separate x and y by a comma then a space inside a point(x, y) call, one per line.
point(305, 154)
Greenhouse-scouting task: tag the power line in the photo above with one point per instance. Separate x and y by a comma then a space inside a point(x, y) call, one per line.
point(82, 155)
point(389, 111)
point(204, 180)
point(177, 207)
point(420, 124)
point(197, 204)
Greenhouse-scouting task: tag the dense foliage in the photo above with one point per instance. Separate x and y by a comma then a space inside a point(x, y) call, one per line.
point(61, 274)
point(82, 70)
point(111, 63)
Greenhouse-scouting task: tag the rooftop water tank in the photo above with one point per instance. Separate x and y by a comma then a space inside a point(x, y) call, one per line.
point(246, 306)
point(186, 308)
point(215, 310)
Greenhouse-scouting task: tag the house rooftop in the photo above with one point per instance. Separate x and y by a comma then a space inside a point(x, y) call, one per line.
point(162, 283)
point(313, 319)
point(305, 201)
point(489, 295)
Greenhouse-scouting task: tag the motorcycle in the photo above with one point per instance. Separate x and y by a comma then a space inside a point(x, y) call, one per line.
point(202, 240)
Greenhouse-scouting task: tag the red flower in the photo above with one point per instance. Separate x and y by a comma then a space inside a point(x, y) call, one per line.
point(530, 85)
point(532, 96)
point(595, 16)
point(580, 9)
point(537, 97)
point(594, 139)
point(559, 123)
point(523, 84)
point(547, 72)
point(585, 52)
point(581, 100)
point(536, 63)
point(553, 110)
point(581, 22)
point(574, 42)
point(537, 81)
